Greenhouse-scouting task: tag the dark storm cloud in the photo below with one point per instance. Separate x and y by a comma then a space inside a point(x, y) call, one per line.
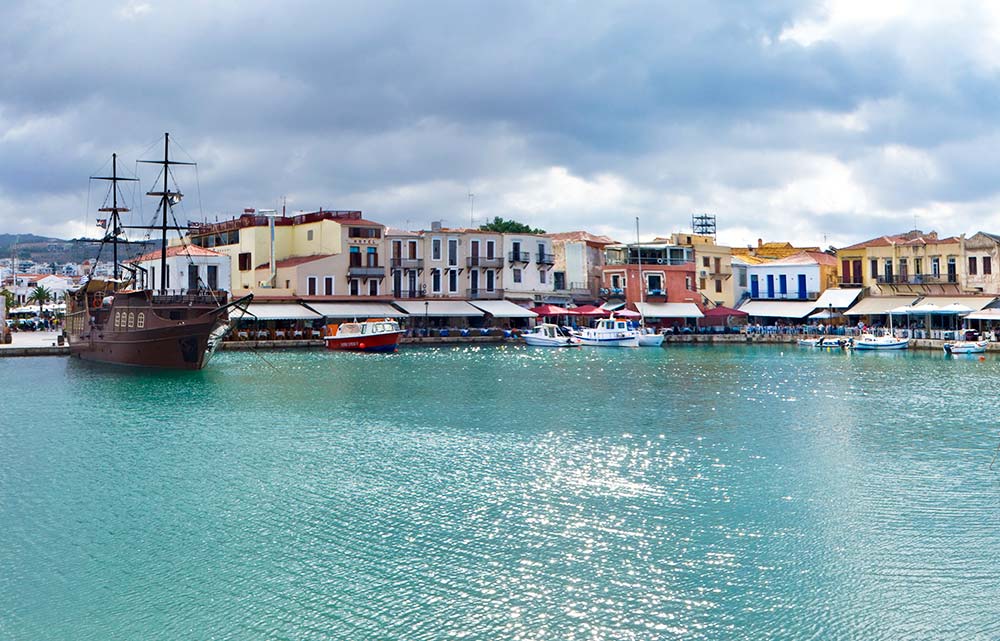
point(402, 107)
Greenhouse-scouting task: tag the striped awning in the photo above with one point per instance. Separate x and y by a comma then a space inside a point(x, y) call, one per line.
point(275, 311)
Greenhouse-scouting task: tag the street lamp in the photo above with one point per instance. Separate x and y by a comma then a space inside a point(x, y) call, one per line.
point(427, 314)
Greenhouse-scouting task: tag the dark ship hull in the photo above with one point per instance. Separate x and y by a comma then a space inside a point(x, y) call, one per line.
point(142, 329)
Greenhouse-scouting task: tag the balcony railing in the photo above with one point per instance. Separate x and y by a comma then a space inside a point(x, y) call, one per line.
point(519, 257)
point(649, 263)
point(368, 271)
point(407, 263)
point(545, 259)
point(612, 291)
point(786, 296)
point(410, 293)
point(483, 294)
point(851, 280)
point(917, 279)
point(482, 261)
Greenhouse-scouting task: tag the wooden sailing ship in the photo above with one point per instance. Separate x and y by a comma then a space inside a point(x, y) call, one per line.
point(113, 321)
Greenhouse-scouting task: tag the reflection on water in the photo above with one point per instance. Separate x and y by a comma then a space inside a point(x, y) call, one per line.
point(502, 492)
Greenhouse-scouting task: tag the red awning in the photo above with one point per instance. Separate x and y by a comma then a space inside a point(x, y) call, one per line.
point(553, 310)
point(721, 311)
point(590, 310)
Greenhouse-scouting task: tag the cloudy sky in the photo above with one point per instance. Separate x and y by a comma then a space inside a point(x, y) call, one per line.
point(822, 123)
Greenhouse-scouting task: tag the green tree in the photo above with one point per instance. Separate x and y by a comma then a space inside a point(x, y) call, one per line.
point(509, 227)
point(8, 299)
point(41, 296)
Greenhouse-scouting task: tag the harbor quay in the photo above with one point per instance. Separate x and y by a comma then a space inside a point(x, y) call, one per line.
point(47, 343)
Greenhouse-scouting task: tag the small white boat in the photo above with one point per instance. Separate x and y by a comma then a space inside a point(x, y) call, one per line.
point(649, 338)
point(549, 335)
point(809, 342)
point(885, 341)
point(965, 347)
point(610, 332)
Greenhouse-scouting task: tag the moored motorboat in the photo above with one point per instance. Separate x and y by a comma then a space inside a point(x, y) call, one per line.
point(885, 341)
point(649, 338)
point(549, 335)
point(381, 335)
point(609, 332)
point(965, 347)
point(809, 342)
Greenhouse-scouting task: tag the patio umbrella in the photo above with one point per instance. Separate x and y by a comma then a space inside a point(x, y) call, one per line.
point(552, 310)
point(627, 313)
point(589, 310)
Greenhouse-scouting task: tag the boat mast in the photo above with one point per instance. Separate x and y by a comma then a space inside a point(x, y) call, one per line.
point(167, 199)
point(115, 227)
point(642, 284)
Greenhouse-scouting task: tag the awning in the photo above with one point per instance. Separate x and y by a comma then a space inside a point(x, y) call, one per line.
point(437, 308)
point(356, 310)
point(974, 303)
point(985, 314)
point(838, 299)
point(552, 310)
point(825, 314)
point(879, 305)
point(503, 309)
point(610, 307)
point(778, 308)
point(276, 311)
point(669, 310)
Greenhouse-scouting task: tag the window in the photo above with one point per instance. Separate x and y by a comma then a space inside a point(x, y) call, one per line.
point(541, 276)
point(371, 257)
point(616, 281)
point(364, 232)
point(355, 287)
point(718, 286)
point(874, 266)
point(706, 261)
point(373, 287)
point(972, 265)
point(987, 265)
point(213, 277)
point(490, 278)
point(244, 261)
point(936, 267)
point(193, 278)
point(355, 257)
point(452, 280)
point(701, 283)
point(140, 320)
point(718, 265)
point(328, 286)
point(918, 266)
point(309, 235)
point(411, 248)
point(436, 281)
point(491, 249)
point(687, 282)
point(311, 285)
point(517, 276)
point(654, 283)
point(782, 284)
point(435, 249)
point(743, 278)
point(453, 251)
point(559, 280)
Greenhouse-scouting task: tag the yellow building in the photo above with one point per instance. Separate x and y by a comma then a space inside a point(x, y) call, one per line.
point(324, 253)
point(913, 262)
point(713, 267)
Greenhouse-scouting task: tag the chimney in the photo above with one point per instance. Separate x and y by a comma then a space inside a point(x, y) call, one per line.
point(436, 225)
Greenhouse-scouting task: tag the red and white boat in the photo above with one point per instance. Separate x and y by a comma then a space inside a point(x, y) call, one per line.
point(367, 336)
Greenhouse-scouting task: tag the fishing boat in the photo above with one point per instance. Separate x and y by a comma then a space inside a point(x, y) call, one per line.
point(965, 347)
point(609, 332)
point(876, 341)
point(112, 320)
point(549, 335)
point(372, 335)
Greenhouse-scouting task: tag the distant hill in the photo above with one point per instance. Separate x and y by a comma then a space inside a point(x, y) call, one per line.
point(42, 249)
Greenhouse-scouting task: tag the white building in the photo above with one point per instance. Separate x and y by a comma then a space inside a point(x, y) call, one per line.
point(802, 276)
point(188, 268)
point(527, 272)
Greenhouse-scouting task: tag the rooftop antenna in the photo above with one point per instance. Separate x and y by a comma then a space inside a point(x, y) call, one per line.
point(703, 224)
point(472, 209)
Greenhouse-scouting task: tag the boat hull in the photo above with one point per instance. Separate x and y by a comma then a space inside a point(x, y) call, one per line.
point(624, 341)
point(885, 345)
point(964, 347)
point(386, 342)
point(650, 340)
point(546, 341)
point(185, 347)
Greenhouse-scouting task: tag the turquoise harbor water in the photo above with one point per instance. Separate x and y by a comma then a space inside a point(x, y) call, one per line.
point(503, 493)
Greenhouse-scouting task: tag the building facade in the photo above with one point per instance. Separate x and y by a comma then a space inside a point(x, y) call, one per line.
point(982, 270)
point(189, 268)
point(579, 264)
point(913, 262)
point(803, 276)
point(713, 266)
point(667, 274)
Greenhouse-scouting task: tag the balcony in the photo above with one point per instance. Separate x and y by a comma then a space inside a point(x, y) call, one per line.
point(407, 263)
point(916, 279)
point(519, 257)
point(545, 259)
point(369, 271)
point(482, 261)
point(851, 281)
point(613, 291)
point(410, 293)
point(786, 296)
point(482, 294)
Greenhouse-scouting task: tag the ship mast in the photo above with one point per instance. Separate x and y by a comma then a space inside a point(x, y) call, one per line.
point(114, 225)
point(167, 199)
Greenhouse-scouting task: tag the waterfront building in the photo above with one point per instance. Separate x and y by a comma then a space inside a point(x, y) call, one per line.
point(579, 263)
point(713, 265)
point(789, 288)
point(667, 285)
point(741, 280)
point(21, 286)
point(322, 253)
point(527, 273)
point(912, 262)
point(982, 263)
point(189, 268)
